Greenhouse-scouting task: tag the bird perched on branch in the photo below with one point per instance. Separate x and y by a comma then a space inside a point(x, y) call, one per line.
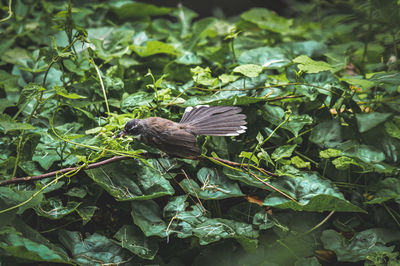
point(179, 139)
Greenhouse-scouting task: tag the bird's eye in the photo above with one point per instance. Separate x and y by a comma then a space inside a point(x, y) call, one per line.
point(131, 126)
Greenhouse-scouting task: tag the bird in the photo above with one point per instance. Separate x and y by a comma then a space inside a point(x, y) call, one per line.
point(179, 139)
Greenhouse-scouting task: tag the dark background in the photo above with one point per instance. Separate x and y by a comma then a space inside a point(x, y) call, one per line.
point(229, 8)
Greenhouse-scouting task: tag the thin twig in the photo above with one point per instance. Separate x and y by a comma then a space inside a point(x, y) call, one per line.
point(320, 224)
point(194, 191)
point(272, 187)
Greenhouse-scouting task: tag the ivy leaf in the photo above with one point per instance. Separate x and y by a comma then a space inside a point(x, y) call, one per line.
point(29, 92)
point(28, 244)
point(327, 134)
point(249, 70)
point(308, 65)
point(64, 93)
point(387, 189)
point(313, 193)
point(268, 57)
point(131, 238)
point(215, 185)
point(54, 208)
point(268, 20)
point(203, 76)
point(214, 229)
point(9, 124)
point(94, 247)
point(393, 127)
point(296, 123)
point(152, 48)
point(368, 121)
point(147, 215)
point(362, 244)
point(12, 197)
point(283, 152)
point(123, 183)
point(134, 100)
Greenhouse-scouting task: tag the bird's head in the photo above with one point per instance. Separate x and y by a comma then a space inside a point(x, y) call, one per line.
point(133, 127)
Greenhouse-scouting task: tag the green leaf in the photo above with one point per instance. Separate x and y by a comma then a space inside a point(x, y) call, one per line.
point(268, 20)
point(387, 189)
point(313, 193)
point(329, 153)
point(249, 156)
point(30, 245)
point(393, 127)
point(64, 93)
point(214, 229)
point(363, 243)
point(137, 99)
point(4, 104)
point(214, 185)
point(327, 134)
point(131, 238)
point(268, 57)
point(382, 258)
point(131, 181)
point(365, 153)
point(203, 76)
point(225, 78)
point(29, 92)
point(344, 162)
point(297, 122)
point(147, 215)
point(9, 124)
point(368, 121)
point(300, 163)
point(363, 83)
point(283, 152)
point(54, 208)
point(308, 65)
point(12, 197)
point(198, 29)
point(249, 70)
point(152, 48)
point(94, 249)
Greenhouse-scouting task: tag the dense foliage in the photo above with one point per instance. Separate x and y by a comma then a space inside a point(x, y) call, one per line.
point(319, 180)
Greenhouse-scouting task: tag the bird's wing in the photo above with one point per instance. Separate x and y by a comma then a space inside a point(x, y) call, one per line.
point(171, 138)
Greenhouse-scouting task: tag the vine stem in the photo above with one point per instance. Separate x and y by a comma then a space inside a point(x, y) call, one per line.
point(35, 107)
point(102, 85)
point(10, 12)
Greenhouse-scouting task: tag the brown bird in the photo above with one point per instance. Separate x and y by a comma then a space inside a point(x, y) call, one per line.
point(179, 139)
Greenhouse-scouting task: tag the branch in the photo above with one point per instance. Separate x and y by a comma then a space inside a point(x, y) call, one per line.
point(111, 160)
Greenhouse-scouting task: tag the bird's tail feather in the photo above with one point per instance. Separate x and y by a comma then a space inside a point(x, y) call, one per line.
point(215, 120)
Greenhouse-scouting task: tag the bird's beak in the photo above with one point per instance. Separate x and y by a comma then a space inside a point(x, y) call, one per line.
point(121, 134)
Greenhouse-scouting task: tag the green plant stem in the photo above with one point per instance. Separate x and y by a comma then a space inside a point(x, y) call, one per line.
point(319, 224)
point(39, 191)
point(391, 214)
point(10, 12)
point(102, 86)
point(267, 138)
point(35, 107)
point(306, 157)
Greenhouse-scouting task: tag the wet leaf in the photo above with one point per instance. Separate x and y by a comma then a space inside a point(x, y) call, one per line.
point(268, 20)
point(362, 244)
point(131, 238)
point(308, 65)
point(125, 184)
point(366, 122)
